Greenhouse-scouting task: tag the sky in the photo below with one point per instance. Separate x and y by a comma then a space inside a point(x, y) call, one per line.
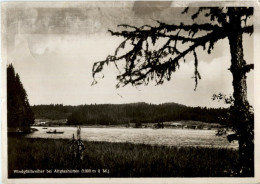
point(53, 48)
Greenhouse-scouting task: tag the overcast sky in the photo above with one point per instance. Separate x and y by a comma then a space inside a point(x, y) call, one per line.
point(53, 50)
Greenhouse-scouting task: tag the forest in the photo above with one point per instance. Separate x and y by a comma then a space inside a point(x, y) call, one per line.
point(115, 114)
point(53, 111)
point(20, 117)
point(110, 114)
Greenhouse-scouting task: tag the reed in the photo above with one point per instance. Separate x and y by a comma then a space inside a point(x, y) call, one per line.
point(120, 159)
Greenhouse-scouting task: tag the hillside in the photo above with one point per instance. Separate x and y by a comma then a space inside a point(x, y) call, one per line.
point(115, 114)
point(53, 111)
point(111, 114)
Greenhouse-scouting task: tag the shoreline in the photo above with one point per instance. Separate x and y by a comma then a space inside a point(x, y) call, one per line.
point(182, 124)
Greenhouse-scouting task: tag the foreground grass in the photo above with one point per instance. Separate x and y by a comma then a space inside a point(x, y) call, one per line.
point(121, 159)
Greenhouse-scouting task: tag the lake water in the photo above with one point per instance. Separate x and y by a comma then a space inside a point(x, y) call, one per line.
point(167, 137)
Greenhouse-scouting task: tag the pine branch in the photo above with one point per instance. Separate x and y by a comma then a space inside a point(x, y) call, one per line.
point(145, 61)
point(153, 67)
point(200, 27)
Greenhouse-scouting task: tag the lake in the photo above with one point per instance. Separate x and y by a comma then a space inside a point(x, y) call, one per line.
point(166, 137)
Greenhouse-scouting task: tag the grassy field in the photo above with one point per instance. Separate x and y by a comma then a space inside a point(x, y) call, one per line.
point(118, 159)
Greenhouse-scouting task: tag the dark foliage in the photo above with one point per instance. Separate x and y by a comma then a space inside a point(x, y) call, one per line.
point(244, 126)
point(53, 111)
point(19, 114)
point(110, 114)
point(144, 62)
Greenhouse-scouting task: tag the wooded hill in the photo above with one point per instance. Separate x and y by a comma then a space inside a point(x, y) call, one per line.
point(114, 114)
point(53, 111)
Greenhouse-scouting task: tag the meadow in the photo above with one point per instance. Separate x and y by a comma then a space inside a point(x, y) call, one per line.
point(117, 159)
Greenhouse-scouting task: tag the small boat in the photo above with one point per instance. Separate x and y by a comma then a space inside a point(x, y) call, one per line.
point(54, 132)
point(44, 128)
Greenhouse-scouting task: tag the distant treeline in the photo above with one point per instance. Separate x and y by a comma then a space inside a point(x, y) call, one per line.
point(53, 111)
point(111, 114)
point(114, 114)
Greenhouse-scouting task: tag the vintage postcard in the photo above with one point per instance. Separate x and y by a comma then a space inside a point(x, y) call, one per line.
point(130, 92)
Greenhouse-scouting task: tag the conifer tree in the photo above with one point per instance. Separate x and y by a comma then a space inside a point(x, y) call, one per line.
point(19, 114)
point(144, 62)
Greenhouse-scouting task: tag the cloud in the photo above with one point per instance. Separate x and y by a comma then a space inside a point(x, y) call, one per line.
point(142, 8)
point(64, 74)
point(54, 51)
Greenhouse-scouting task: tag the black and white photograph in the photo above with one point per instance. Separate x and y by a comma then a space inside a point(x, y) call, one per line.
point(145, 90)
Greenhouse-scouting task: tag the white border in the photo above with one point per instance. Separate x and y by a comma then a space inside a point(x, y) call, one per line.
point(177, 3)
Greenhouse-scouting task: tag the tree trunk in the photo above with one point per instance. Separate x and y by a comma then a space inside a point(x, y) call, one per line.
point(243, 125)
